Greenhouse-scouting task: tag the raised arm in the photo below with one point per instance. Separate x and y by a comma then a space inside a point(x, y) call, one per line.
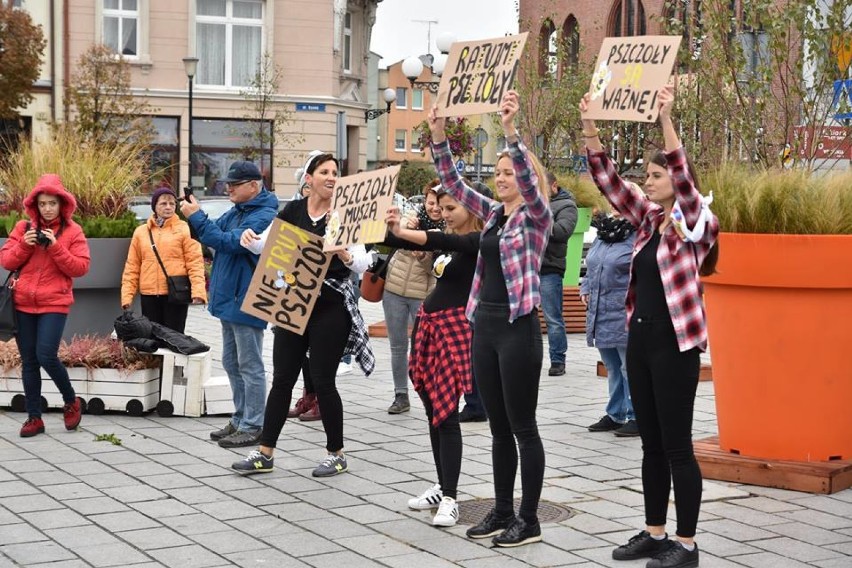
point(524, 172)
point(625, 197)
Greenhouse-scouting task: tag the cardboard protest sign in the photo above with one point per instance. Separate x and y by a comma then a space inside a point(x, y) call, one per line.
point(478, 74)
point(629, 73)
point(288, 277)
point(358, 208)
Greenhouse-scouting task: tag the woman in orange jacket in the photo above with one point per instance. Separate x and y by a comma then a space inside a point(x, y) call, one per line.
point(180, 254)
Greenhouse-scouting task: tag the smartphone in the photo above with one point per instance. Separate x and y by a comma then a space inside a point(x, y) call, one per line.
point(187, 192)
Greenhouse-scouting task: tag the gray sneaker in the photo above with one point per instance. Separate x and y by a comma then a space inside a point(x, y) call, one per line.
point(400, 404)
point(331, 465)
point(241, 438)
point(226, 431)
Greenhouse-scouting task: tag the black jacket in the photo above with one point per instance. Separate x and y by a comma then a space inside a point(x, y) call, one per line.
point(564, 220)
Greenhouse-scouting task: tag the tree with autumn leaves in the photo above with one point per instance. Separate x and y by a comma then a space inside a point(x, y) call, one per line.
point(21, 45)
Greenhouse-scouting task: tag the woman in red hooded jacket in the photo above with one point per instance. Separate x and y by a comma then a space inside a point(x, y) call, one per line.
point(47, 251)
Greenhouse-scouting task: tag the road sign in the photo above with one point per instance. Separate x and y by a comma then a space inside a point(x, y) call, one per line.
point(842, 99)
point(460, 166)
point(480, 138)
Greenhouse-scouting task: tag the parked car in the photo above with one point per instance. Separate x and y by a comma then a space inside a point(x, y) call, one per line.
point(215, 207)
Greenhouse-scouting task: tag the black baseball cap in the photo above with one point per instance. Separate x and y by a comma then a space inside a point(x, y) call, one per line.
point(242, 171)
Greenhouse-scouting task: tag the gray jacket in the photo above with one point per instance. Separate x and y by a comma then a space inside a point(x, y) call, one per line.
point(607, 277)
point(564, 220)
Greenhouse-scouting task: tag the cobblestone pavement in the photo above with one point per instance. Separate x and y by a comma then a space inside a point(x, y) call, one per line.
point(166, 496)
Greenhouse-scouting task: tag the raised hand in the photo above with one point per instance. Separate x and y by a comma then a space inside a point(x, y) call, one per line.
point(509, 106)
point(665, 102)
point(437, 124)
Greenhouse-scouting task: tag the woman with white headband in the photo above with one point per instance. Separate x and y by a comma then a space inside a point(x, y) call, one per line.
point(335, 326)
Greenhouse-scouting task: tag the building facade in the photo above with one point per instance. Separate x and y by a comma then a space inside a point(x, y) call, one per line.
point(320, 46)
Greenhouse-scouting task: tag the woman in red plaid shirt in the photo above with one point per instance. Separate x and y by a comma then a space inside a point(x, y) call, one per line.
point(503, 306)
point(666, 330)
point(440, 366)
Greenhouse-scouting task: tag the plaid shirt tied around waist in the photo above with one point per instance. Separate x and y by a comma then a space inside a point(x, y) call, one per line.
point(358, 342)
point(679, 260)
point(524, 237)
point(439, 364)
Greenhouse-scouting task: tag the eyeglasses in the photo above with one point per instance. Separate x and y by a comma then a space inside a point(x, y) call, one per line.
point(239, 183)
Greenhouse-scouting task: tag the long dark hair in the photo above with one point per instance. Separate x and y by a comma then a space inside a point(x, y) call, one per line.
point(708, 267)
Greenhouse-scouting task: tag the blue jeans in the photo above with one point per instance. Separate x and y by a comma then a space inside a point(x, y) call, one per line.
point(38, 342)
point(242, 358)
point(399, 314)
point(620, 407)
point(551, 306)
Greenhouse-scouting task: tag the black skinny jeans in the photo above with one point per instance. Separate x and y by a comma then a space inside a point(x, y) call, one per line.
point(326, 336)
point(663, 382)
point(159, 310)
point(446, 448)
point(507, 366)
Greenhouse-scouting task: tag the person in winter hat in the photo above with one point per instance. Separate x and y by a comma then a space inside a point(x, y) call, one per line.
point(180, 254)
point(47, 251)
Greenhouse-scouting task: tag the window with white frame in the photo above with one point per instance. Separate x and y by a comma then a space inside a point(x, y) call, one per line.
point(401, 97)
point(399, 140)
point(347, 42)
point(415, 140)
point(417, 99)
point(229, 35)
point(121, 26)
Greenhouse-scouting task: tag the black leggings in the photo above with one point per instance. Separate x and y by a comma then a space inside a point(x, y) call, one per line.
point(326, 336)
point(159, 310)
point(663, 382)
point(507, 366)
point(446, 448)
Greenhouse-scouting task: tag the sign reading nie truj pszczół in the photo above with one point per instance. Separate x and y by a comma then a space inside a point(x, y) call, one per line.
point(288, 277)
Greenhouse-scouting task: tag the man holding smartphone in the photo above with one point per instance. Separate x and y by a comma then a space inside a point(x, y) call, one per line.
point(233, 267)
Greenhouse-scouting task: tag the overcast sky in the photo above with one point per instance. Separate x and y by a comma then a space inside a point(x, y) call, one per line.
point(397, 35)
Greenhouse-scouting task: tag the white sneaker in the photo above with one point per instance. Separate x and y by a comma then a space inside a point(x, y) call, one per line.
point(344, 369)
point(448, 513)
point(428, 500)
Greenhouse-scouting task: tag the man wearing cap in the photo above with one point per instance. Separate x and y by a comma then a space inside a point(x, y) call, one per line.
point(233, 266)
point(553, 270)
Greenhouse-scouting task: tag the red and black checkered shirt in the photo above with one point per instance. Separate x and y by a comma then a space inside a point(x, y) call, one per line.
point(439, 364)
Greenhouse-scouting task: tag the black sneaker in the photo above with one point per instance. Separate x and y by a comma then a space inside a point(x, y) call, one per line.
point(605, 424)
point(226, 431)
point(400, 404)
point(491, 525)
point(556, 369)
point(628, 430)
point(470, 416)
point(240, 439)
point(519, 533)
point(676, 556)
point(255, 462)
point(643, 545)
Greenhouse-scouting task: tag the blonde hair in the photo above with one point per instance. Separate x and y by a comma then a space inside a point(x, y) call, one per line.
point(476, 223)
point(538, 168)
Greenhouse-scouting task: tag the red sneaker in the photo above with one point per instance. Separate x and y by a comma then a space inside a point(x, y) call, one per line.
point(32, 427)
point(73, 413)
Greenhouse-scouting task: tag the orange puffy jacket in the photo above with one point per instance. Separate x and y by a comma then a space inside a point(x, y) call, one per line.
point(181, 255)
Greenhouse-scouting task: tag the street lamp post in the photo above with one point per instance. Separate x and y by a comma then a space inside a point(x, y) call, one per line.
point(412, 67)
point(190, 65)
point(389, 95)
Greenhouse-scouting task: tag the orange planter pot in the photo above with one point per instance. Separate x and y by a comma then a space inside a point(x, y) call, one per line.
point(780, 325)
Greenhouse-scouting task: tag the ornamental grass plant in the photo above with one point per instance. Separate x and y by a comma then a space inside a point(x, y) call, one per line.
point(792, 202)
point(103, 179)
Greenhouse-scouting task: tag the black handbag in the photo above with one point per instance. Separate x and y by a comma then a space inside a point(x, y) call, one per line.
point(8, 319)
point(180, 289)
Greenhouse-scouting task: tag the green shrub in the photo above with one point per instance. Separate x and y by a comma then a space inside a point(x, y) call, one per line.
point(586, 193)
point(781, 202)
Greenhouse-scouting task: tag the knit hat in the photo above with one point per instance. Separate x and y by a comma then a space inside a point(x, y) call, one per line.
point(159, 192)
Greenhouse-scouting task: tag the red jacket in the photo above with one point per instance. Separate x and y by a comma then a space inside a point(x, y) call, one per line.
point(44, 284)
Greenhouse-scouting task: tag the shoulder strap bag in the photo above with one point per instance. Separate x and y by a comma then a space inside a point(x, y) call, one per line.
point(180, 290)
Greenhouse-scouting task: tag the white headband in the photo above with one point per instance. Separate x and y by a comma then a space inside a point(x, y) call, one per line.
point(303, 171)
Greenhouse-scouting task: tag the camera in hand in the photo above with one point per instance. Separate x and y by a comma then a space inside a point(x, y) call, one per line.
point(42, 239)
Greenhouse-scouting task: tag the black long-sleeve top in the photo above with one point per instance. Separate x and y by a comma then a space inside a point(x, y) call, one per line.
point(458, 257)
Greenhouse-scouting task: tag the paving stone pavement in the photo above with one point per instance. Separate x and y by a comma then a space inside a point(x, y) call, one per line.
point(166, 495)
